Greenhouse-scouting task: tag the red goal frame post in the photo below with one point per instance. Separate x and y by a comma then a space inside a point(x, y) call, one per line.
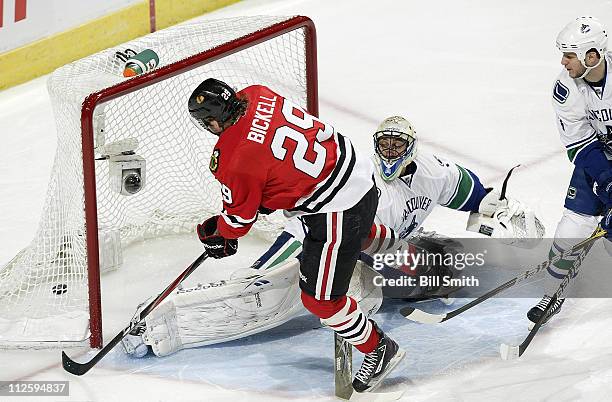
point(150, 78)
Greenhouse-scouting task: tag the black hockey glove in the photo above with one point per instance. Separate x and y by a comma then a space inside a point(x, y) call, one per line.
point(216, 246)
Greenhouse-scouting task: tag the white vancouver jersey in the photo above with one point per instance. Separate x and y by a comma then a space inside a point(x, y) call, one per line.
point(584, 113)
point(404, 203)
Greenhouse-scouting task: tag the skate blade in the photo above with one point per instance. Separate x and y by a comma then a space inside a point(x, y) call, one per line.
point(401, 353)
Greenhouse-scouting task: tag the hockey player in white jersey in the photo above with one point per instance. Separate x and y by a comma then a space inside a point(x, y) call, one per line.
point(412, 183)
point(583, 105)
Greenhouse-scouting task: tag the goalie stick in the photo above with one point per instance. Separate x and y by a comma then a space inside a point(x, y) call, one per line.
point(421, 316)
point(502, 195)
point(509, 352)
point(81, 368)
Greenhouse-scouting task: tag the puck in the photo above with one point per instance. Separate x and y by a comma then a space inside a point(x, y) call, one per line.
point(59, 289)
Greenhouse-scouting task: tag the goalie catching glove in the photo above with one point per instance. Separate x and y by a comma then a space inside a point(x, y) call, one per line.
point(216, 246)
point(508, 220)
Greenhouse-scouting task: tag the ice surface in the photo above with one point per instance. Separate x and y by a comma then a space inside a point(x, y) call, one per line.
point(474, 77)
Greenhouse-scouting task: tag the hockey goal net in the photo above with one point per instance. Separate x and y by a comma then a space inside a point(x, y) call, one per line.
point(50, 292)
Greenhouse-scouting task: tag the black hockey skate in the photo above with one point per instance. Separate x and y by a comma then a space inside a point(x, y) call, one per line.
point(535, 313)
point(378, 363)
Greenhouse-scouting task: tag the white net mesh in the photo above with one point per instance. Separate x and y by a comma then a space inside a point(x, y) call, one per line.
point(179, 190)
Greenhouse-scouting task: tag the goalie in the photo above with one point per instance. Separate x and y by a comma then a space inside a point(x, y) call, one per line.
point(410, 185)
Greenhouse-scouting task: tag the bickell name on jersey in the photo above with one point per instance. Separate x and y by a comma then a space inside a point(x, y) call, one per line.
point(275, 154)
point(584, 111)
point(406, 202)
point(262, 119)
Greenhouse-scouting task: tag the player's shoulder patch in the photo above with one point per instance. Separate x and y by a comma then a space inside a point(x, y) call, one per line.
point(560, 92)
point(214, 160)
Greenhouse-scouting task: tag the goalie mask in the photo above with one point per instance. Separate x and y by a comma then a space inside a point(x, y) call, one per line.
point(582, 35)
point(213, 100)
point(395, 146)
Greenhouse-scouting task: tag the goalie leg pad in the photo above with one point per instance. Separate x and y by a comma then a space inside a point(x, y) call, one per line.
point(251, 302)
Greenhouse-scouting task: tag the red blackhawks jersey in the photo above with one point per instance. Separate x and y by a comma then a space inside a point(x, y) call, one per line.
point(277, 156)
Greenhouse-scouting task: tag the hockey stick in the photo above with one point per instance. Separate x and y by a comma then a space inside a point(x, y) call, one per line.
point(343, 367)
point(421, 316)
point(81, 368)
point(502, 195)
point(509, 352)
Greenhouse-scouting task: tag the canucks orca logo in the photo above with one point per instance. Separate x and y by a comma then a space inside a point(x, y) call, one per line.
point(561, 92)
point(404, 233)
point(214, 161)
point(585, 28)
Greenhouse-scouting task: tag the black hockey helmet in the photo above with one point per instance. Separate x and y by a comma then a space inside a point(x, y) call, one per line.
point(213, 100)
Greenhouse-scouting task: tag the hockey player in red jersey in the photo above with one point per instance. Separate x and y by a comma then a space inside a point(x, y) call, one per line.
point(271, 154)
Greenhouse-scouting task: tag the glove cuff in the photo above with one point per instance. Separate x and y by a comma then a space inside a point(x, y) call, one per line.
point(207, 228)
point(491, 203)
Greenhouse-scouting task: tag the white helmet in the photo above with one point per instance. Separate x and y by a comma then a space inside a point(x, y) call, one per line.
point(582, 35)
point(392, 158)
